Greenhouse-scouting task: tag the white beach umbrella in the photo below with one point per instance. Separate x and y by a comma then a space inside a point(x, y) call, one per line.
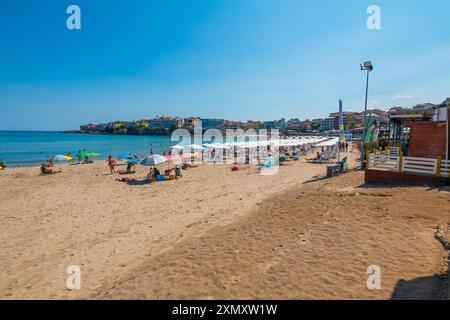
point(153, 160)
point(195, 147)
point(177, 147)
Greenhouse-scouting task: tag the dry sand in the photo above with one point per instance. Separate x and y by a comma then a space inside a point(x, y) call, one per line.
point(84, 217)
point(314, 241)
point(218, 234)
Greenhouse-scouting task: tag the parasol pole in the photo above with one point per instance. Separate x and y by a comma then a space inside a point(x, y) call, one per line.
point(448, 129)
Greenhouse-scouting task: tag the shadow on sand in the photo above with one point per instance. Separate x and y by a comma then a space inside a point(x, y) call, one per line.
point(425, 288)
point(429, 187)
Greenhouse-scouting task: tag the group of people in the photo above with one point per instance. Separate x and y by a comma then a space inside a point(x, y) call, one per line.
point(112, 165)
point(343, 146)
point(82, 157)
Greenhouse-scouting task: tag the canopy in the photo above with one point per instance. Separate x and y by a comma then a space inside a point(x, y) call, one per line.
point(328, 143)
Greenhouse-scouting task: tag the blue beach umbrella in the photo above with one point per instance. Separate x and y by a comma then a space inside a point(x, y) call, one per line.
point(125, 156)
point(133, 161)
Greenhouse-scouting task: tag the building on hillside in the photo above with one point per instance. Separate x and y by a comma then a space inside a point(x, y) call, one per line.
point(233, 124)
point(212, 123)
point(424, 106)
point(102, 127)
point(316, 124)
point(191, 122)
point(327, 124)
point(441, 111)
point(143, 123)
point(168, 123)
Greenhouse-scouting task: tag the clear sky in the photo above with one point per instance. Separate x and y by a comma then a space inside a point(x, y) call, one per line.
point(234, 59)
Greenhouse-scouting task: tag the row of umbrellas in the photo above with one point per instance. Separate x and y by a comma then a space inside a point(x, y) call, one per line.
point(288, 142)
point(62, 157)
point(157, 159)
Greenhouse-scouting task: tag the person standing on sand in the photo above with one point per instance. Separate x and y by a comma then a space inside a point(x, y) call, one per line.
point(70, 156)
point(111, 163)
point(85, 155)
point(79, 156)
point(346, 146)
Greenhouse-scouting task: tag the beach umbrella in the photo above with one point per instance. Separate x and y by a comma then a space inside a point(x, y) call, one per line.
point(133, 161)
point(93, 154)
point(195, 147)
point(125, 156)
point(153, 160)
point(177, 147)
point(60, 157)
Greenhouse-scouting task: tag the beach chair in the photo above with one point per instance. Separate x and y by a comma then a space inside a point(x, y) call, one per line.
point(334, 154)
point(267, 164)
point(323, 158)
point(343, 165)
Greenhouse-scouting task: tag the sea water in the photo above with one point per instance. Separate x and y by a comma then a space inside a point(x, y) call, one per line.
point(24, 148)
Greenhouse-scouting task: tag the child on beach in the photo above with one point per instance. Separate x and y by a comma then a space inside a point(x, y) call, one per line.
point(111, 163)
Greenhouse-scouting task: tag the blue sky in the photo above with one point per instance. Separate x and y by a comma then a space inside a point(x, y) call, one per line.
point(235, 59)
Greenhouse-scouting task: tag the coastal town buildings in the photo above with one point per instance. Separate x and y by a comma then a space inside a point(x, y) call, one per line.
point(166, 123)
point(353, 122)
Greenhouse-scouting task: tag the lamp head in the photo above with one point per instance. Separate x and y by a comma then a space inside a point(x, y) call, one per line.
point(368, 66)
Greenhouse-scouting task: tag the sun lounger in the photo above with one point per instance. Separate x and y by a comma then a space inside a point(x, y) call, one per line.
point(343, 165)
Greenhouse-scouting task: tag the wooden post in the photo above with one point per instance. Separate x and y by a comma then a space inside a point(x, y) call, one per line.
point(438, 166)
point(367, 159)
point(400, 162)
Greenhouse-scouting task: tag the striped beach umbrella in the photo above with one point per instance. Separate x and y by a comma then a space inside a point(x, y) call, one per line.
point(60, 157)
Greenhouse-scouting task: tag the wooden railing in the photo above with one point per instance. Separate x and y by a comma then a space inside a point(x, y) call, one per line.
point(393, 160)
point(419, 165)
point(445, 168)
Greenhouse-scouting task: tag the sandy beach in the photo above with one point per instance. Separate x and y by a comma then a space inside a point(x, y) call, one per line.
point(84, 217)
point(217, 234)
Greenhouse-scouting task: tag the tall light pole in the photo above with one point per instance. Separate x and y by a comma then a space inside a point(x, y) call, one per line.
point(368, 67)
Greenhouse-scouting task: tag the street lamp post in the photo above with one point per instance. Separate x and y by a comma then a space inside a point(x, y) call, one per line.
point(368, 67)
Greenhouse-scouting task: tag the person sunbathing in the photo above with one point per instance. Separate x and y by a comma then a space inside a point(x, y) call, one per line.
point(126, 180)
point(186, 166)
point(46, 170)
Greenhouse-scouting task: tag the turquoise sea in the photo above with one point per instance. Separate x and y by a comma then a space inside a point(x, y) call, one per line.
point(24, 148)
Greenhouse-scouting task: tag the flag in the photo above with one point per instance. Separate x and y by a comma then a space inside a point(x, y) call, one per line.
point(369, 126)
point(341, 123)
